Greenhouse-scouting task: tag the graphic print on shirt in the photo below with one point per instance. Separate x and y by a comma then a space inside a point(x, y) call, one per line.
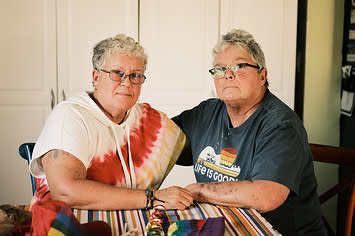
point(218, 167)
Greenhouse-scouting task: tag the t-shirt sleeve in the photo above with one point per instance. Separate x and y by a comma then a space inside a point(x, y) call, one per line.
point(192, 122)
point(185, 121)
point(64, 130)
point(185, 158)
point(280, 156)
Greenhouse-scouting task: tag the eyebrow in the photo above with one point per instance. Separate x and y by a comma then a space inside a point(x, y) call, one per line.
point(119, 68)
point(235, 61)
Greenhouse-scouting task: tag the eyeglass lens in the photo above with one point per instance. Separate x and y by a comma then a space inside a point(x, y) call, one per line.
point(119, 76)
point(221, 71)
point(238, 69)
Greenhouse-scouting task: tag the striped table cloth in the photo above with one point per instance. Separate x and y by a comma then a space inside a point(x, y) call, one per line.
point(238, 221)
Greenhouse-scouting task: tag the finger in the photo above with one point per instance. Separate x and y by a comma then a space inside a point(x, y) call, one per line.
point(173, 192)
point(175, 197)
point(185, 193)
point(176, 205)
point(186, 201)
point(186, 198)
point(183, 205)
point(184, 190)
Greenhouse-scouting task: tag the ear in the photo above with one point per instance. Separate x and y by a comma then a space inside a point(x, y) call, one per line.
point(263, 76)
point(95, 77)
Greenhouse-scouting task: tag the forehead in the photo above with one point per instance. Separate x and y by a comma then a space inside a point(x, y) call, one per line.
point(123, 59)
point(232, 54)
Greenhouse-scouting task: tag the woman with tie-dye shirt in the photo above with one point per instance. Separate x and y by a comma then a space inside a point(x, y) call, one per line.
point(102, 150)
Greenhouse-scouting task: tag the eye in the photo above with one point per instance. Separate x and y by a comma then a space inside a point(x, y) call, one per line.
point(117, 72)
point(235, 68)
point(136, 75)
point(219, 70)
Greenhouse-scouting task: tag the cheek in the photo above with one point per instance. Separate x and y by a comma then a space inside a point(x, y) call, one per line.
point(113, 87)
point(137, 92)
point(246, 82)
point(217, 85)
point(135, 95)
point(104, 86)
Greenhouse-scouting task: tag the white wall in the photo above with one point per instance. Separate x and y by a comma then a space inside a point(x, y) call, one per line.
point(322, 86)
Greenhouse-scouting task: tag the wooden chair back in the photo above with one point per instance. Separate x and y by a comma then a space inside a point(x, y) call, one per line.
point(339, 156)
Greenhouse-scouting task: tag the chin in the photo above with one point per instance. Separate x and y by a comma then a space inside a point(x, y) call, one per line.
point(125, 106)
point(229, 98)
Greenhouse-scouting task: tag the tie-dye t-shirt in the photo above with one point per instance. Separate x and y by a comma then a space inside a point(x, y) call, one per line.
point(79, 127)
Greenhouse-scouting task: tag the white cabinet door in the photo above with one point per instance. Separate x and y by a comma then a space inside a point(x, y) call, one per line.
point(81, 24)
point(274, 25)
point(178, 37)
point(28, 70)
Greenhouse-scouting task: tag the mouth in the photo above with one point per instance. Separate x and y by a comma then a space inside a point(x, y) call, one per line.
point(230, 87)
point(124, 94)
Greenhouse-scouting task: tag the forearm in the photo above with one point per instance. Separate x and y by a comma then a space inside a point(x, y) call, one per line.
point(260, 195)
point(88, 194)
point(222, 193)
point(66, 177)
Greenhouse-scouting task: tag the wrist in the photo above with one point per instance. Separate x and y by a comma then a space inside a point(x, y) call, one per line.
point(151, 199)
point(148, 197)
point(196, 191)
point(156, 201)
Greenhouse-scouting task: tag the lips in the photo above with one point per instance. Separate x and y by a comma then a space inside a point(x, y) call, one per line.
point(124, 94)
point(230, 87)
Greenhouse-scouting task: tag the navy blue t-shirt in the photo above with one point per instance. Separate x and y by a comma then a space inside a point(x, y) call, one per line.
point(270, 145)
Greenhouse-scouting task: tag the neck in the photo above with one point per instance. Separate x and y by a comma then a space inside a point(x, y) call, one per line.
point(239, 113)
point(116, 118)
point(238, 117)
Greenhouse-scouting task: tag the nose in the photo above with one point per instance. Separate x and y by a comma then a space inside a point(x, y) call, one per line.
point(125, 80)
point(229, 74)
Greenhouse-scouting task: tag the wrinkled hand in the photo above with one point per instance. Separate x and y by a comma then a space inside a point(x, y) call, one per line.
point(174, 197)
point(195, 190)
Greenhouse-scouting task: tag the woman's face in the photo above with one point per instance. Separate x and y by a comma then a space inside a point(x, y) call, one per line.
point(116, 98)
point(238, 89)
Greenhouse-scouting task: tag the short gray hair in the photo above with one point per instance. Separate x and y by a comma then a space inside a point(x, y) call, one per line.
point(245, 40)
point(119, 43)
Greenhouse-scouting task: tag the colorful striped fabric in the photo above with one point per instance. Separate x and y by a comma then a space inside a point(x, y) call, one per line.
point(66, 224)
point(238, 221)
point(204, 227)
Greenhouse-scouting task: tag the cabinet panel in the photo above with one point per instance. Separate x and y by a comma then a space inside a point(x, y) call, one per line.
point(81, 24)
point(28, 68)
point(178, 37)
point(274, 24)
